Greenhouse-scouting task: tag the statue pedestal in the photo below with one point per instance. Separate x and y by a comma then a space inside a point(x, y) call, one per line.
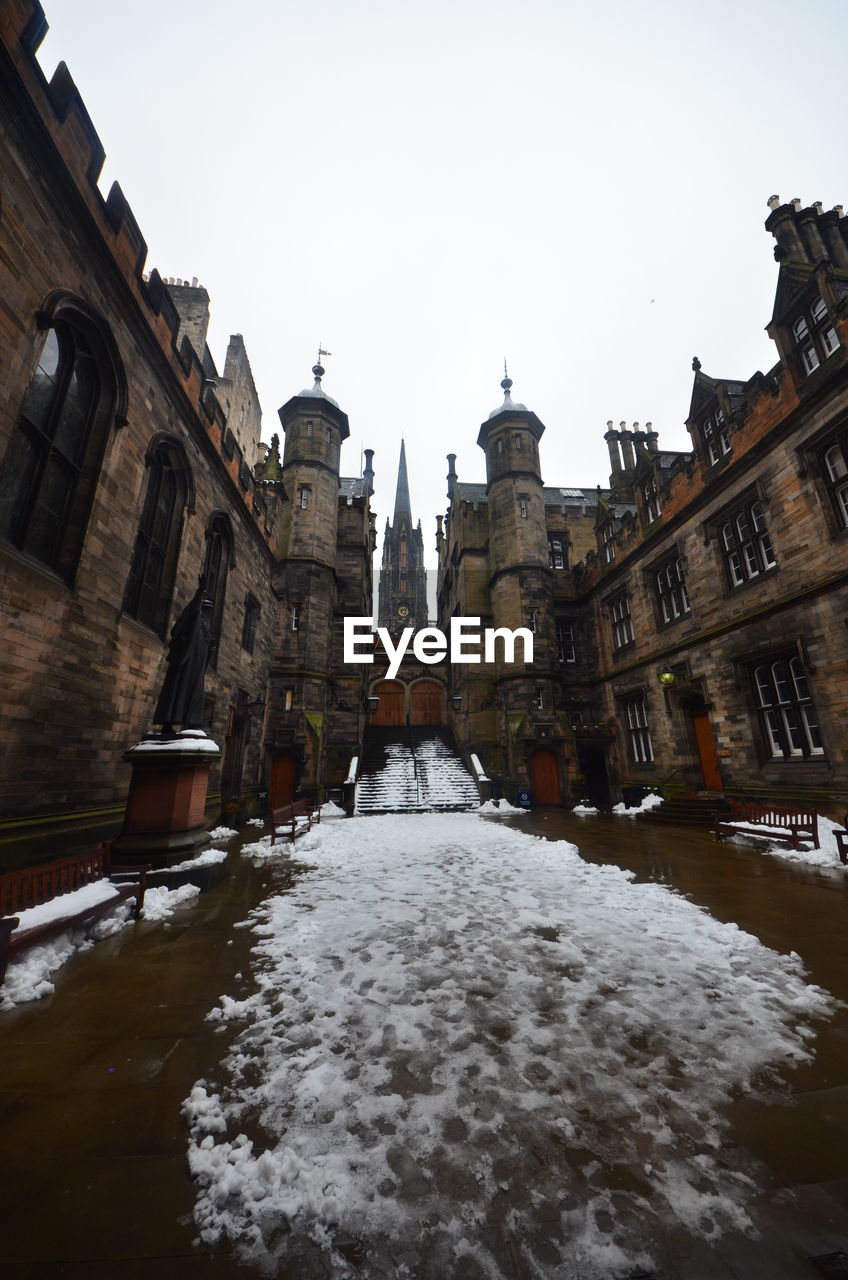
point(166, 807)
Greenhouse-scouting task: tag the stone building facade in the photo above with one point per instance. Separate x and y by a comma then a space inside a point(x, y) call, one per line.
point(129, 467)
point(723, 570)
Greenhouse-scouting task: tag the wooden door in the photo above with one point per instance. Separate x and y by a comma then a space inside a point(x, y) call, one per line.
point(544, 777)
point(426, 703)
point(707, 751)
point(284, 771)
point(390, 709)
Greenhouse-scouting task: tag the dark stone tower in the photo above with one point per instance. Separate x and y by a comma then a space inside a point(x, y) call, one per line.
point(305, 579)
point(403, 578)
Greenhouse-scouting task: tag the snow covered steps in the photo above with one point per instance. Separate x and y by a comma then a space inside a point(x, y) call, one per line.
point(414, 771)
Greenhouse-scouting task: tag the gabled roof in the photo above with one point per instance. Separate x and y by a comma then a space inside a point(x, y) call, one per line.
point(705, 390)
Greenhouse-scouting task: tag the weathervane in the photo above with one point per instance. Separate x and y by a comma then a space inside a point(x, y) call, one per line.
point(322, 352)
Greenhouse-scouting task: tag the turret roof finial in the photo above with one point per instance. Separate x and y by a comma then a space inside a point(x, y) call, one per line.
point(318, 368)
point(508, 404)
point(316, 389)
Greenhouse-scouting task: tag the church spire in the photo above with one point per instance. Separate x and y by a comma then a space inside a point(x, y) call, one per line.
point(402, 504)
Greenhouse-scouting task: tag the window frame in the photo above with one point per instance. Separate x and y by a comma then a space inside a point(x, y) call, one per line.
point(58, 443)
point(565, 642)
point(786, 709)
point(250, 624)
point(621, 621)
point(813, 335)
point(608, 542)
point(217, 561)
point(715, 436)
point(148, 591)
point(557, 540)
point(745, 543)
point(671, 597)
point(836, 483)
point(651, 499)
point(633, 714)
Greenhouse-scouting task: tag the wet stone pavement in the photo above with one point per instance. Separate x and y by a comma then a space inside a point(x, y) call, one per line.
point(92, 1078)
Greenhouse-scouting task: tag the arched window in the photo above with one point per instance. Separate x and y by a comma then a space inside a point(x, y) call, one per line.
point(53, 461)
point(154, 563)
point(219, 555)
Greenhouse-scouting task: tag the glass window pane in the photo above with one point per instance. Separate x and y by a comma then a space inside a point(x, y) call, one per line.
point(764, 688)
point(818, 310)
point(42, 389)
point(48, 512)
point(834, 461)
point(811, 724)
point(767, 551)
point(751, 563)
point(793, 727)
point(15, 482)
point(800, 329)
point(799, 679)
point(774, 728)
point(781, 681)
point(829, 340)
point(71, 432)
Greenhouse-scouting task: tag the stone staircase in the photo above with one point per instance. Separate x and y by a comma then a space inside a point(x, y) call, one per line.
point(697, 810)
point(413, 770)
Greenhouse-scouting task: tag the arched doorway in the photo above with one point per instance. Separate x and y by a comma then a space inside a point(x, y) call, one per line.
point(544, 777)
point(390, 709)
point(426, 703)
point(285, 769)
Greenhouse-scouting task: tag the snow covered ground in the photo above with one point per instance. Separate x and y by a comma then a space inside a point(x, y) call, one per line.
point(468, 1051)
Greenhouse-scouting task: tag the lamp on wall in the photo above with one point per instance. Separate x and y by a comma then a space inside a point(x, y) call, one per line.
point(456, 699)
point(258, 704)
point(667, 677)
point(372, 702)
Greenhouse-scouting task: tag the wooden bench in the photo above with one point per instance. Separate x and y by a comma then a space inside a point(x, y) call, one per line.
point(768, 820)
point(293, 819)
point(33, 886)
point(841, 837)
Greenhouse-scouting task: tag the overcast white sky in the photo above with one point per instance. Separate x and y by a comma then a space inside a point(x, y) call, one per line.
point(429, 187)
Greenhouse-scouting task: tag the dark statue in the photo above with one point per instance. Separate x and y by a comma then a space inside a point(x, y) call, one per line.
point(181, 699)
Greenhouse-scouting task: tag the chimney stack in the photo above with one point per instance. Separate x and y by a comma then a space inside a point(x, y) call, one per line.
point(611, 438)
point(627, 455)
point(368, 473)
point(451, 475)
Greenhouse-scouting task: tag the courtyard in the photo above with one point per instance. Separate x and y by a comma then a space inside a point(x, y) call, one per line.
point(441, 1046)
